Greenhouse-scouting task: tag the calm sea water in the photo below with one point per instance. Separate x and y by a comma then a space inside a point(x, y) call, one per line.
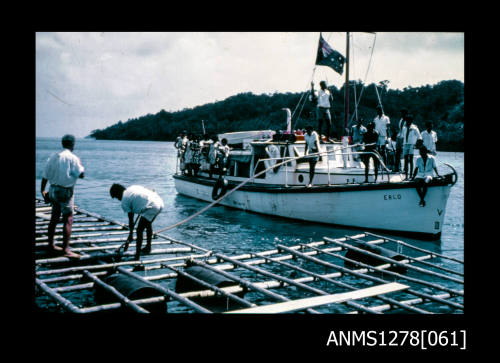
point(220, 229)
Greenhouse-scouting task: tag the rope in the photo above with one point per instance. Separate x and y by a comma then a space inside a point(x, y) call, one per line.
point(366, 74)
point(286, 160)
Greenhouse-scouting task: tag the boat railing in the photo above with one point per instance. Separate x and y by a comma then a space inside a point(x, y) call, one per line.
point(285, 160)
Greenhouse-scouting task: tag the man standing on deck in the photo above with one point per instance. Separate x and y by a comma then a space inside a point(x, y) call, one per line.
point(62, 170)
point(370, 138)
point(399, 139)
point(139, 200)
point(382, 126)
point(429, 138)
point(312, 146)
point(410, 136)
point(357, 132)
point(324, 101)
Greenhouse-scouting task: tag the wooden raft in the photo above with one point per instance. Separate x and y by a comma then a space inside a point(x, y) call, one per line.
point(316, 277)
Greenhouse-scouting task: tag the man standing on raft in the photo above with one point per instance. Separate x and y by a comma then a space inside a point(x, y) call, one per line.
point(62, 171)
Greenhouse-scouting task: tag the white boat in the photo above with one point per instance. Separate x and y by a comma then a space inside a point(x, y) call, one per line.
point(270, 176)
point(338, 195)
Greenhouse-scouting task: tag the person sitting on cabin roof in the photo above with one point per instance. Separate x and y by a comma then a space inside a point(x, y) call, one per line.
point(370, 138)
point(62, 171)
point(312, 146)
point(144, 202)
point(426, 165)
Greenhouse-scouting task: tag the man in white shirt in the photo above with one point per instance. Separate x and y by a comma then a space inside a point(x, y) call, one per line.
point(62, 171)
point(399, 139)
point(147, 204)
point(312, 146)
point(410, 136)
point(324, 100)
point(382, 126)
point(429, 138)
point(426, 165)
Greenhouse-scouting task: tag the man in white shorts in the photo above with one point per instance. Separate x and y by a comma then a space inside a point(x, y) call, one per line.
point(426, 165)
point(138, 200)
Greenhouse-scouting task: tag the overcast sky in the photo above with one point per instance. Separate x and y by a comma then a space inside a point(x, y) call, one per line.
point(87, 81)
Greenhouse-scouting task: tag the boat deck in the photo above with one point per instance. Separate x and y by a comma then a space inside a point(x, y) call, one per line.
point(327, 276)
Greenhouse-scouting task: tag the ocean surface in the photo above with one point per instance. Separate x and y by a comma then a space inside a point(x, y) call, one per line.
point(221, 229)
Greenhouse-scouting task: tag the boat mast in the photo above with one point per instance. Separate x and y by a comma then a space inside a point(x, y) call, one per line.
point(346, 87)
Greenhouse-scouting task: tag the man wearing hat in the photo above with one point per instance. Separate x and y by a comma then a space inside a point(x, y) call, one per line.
point(62, 170)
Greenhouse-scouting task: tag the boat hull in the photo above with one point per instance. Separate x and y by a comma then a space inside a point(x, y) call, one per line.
point(383, 206)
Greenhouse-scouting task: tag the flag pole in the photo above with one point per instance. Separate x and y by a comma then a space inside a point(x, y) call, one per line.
point(346, 87)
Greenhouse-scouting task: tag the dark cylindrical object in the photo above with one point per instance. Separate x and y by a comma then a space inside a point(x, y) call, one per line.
point(217, 303)
point(373, 261)
point(132, 288)
point(184, 284)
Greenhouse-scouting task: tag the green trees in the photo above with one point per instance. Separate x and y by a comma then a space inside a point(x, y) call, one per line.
point(442, 103)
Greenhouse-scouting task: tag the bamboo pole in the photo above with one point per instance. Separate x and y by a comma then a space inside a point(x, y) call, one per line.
point(59, 230)
point(212, 287)
point(394, 262)
point(110, 265)
point(63, 259)
point(425, 263)
point(247, 284)
point(45, 238)
point(123, 299)
point(416, 248)
point(69, 277)
point(65, 303)
point(409, 302)
point(285, 280)
point(86, 241)
point(167, 292)
point(111, 247)
point(369, 277)
point(113, 306)
point(350, 287)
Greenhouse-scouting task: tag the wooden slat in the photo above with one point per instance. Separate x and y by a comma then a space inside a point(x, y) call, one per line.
point(43, 216)
point(301, 304)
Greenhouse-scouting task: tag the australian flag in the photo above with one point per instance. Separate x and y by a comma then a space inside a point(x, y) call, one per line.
point(329, 57)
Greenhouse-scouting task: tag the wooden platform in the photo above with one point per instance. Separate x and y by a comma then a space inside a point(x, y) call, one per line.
point(301, 304)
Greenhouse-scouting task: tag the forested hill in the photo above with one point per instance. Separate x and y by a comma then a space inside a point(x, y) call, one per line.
point(442, 103)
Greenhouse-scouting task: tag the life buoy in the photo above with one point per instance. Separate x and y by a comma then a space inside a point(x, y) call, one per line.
point(220, 188)
point(274, 152)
